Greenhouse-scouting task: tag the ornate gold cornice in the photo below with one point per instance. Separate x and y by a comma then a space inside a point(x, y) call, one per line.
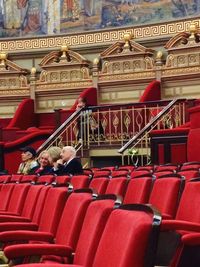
point(96, 38)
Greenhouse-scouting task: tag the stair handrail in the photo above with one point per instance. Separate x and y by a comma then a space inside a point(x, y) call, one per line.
point(149, 125)
point(73, 116)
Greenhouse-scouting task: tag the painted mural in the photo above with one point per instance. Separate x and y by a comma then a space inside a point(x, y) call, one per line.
point(41, 17)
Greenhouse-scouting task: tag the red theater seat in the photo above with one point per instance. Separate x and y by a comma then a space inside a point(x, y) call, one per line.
point(28, 179)
point(46, 179)
point(119, 173)
point(119, 245)
point(138, 190)
point(99, 184)
point(101, 173)
point(189, 165)
point(139, 173)
point(166, 193)
point(5, 194)
point(166, 167)
point(189, 174)
point(117, 186)
point(16, 178)
point(80, 181)
point(5, 179)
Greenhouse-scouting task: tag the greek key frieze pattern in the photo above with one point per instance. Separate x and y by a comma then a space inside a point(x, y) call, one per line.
point(95, 38)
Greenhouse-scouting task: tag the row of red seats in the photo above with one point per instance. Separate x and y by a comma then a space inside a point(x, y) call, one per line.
point(168, 191)
point(82, 222)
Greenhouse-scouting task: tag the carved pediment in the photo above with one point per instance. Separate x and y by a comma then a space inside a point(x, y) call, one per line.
point(12, 76)
point(65, 68)
point(127, 60)
point(183, 52)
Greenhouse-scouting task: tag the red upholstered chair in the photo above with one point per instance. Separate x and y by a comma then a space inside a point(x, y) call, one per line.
point(163, 173)
point(101, 173)
point(88, 172)
point(16, 178)
point(117, 186)
point(16, 199)
point(130, 222)
point(29, 206)
point(80, 181)
point(166, 193)
point(152, 92)
point(48, 216)
point(46, 179)
point(99, 184)
point(138, 190)
point(67, 233)
point(167, 167)
point(139, 173)
point(5, 179)
point(118, 173)
point(189, 174)
point(64, 179)
point(189, 165)
point(146, 167)
point(111, 168)
point(127, 167)
point(5, 193)
point(29, 178)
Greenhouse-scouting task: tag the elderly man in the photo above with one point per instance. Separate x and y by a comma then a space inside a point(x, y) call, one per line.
point(68, 164)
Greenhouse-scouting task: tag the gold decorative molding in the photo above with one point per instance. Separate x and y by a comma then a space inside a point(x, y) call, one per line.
point(96, 37)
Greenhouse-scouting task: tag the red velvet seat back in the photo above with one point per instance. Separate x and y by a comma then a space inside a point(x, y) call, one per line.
point(40, 204)
point(46, 179)
point(189, 203)
point(165, 195)
point(189, 174)
point(138, 173)
point(138, 190)
point(166, 168)
point(117, 186)
point(28, 178)
point(119, 173)
point(5, 193)
point(62, 179)
point(5, 178)
point(16, 178)
point(101, 173)
point(80, 181)
point(99, 184)
point(52, 209)
point(31, 201)
point(72, 219)
point(17, 198)
point(124, 240)
point(92, 229)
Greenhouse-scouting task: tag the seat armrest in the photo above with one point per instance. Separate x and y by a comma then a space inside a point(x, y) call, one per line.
point(10, 236)
point(18, 226)
point(11, 218)
point(22, 250)
point(169, 225)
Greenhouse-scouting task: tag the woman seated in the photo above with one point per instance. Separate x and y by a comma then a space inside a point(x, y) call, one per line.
point(44, 167)
point(29, 162)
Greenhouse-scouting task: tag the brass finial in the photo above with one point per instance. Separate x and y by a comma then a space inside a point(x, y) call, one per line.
point(193, 28)
point(64, 49)
point(96, 61)
point(159, 55)
point(3, 57)
point(127, 38)
point(33, 70)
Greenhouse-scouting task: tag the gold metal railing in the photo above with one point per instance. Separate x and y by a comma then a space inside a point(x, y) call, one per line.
point(113, 126)
point(171, 116)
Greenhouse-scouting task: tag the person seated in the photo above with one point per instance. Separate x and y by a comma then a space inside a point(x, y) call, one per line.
point(68, 164)
point(44, 167)
point(29, 162)
point(54, 155)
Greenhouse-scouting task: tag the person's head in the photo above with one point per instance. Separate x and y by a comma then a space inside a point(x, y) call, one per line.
point(28, 153)
point(67, 153)
point(43, 159)
point(82, 102)
point(54, 154)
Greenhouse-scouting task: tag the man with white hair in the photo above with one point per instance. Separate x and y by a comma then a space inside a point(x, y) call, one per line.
point(68, 164)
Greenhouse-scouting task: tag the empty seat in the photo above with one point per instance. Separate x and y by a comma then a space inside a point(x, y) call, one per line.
point(127, 167)
point(189, 165)
point(5, 179)
point(16, 178)
point(101, 173)
point(99, 184)
point(118, 173)
point(166, 193)
point(117, 186)
point(139, 173)
point(189, 174)
point(46, 179)
point(80, 181)
point(5, 194)
point(167, 167)
point(163, 173)
point(138, 190)
point(68, 230)
point(62, 179)
point(119, 245)
point(28, 179)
